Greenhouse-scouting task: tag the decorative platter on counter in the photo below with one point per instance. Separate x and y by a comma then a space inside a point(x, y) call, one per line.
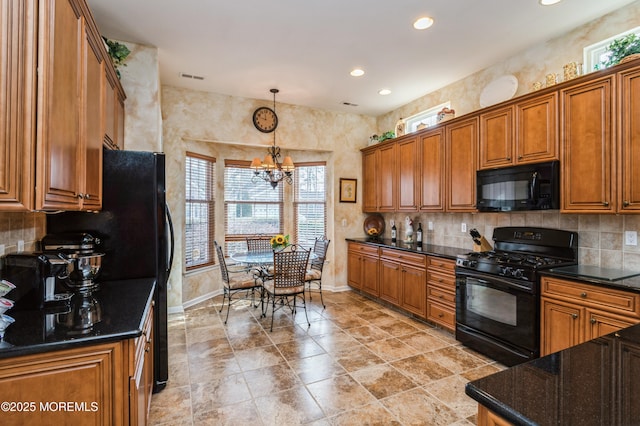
point(499, 90)
point(373, 225)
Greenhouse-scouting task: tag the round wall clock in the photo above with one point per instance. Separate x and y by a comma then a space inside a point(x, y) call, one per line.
point(265, 119)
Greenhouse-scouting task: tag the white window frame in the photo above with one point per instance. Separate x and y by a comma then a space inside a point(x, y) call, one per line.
point(429, 117)
point(594, 54)
point(301, 199)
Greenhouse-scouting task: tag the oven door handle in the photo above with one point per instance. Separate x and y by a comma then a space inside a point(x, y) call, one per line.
point(496, 281)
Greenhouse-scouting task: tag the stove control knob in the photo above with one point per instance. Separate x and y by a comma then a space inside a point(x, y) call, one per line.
point(517, 273)
point(504, 270)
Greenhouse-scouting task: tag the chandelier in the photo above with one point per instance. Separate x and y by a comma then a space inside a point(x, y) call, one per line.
point(271, 170)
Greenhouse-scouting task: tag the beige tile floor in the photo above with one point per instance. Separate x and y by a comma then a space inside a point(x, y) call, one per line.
point(359, 363)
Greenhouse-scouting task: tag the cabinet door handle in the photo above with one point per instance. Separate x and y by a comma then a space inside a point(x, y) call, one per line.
point(574, 316)
point(80, 195)
point(520, 157)
point(626, 204)
point(605, 203)
point(593, 320)
point(508, 158)
point(87, 196)
point(440, 315)
point(583, 295)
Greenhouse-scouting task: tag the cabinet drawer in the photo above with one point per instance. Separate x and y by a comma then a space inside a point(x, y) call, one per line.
point(442, 280)
point(363, 248)
point(441, 314)
point(143, 342)
point(441, 296)
point(404, 256)
point(617, 301)
point(444, 265)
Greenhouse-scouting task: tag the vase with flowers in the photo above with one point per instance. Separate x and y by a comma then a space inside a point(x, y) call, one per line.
point(279, 241)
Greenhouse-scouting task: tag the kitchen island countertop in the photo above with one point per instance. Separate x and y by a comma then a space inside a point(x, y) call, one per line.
point(594, 383)
point(123, 306)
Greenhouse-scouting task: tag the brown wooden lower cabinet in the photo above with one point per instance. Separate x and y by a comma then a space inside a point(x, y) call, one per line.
point(418, 283)
point(89, 385)
point(487, 417)
point(362, 273)
point(403, 280)
point(574, 312)
point(441, 292)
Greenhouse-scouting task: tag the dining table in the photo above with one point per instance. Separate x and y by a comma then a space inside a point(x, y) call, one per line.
point(259, 258)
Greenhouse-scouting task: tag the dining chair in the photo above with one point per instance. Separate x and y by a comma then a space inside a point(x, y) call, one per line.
point(236, 282)
point(313, 275)
point(287, 283)
point(259, 242)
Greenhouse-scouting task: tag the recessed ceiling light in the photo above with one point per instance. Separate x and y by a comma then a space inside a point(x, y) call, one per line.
point(549, 2)
point(423, 23)
point(357, 72)
point(384, 92)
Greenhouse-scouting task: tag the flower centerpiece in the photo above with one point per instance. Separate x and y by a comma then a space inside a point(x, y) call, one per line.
point(279, 241)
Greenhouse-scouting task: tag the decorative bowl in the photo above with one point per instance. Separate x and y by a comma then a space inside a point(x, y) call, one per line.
point(373, 226)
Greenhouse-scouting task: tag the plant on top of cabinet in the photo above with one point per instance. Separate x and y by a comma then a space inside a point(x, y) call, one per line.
point(621, 48)
point(118, 53)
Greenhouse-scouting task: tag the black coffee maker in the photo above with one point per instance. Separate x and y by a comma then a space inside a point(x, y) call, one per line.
point(35, 278)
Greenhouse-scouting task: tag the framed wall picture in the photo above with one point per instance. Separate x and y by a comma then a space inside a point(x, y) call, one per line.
point(348, 190)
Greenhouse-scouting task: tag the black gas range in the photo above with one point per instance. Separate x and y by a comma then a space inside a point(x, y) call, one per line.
point(498, 291)
point(520, 252)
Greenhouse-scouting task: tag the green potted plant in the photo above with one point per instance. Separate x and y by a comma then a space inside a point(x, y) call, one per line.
point(118, 53)
point(386, 135)
point(621, 48)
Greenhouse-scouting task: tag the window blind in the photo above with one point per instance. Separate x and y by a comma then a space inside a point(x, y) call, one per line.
point(200, 187)
point(310, 202)
point(250, 208)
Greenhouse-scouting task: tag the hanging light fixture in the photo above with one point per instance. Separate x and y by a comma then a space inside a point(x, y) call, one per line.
point(270, 169)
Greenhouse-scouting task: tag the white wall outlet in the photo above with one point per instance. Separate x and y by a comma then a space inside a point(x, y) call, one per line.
point(430, 226)
point(630, 238)
point(344, 223)
point(463, 227)
point(20, 246)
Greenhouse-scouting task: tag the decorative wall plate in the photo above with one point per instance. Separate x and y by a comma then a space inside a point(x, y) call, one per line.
point(500, 89)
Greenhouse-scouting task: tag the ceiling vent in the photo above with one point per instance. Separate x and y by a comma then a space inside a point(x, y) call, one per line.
point(191, 76)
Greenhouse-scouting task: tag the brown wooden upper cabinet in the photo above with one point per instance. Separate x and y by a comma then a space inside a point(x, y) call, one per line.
point(431, 170)
point(629, 137)
point(587, 164)
point(52, 156)
point(380, 180)
point(17, 103)
point(114, 111)
point(408, 172)
point(461, 152)
point(521, 133)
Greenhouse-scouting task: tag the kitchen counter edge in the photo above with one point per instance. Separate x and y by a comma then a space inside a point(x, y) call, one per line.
point(125, 304)
point(427, 249)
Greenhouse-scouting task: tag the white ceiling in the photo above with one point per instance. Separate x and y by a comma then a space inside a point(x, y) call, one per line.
point(307, 48)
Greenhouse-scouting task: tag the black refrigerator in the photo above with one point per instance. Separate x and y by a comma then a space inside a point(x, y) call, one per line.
point(136, 232)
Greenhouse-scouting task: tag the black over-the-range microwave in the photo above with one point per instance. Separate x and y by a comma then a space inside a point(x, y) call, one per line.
point(526, 187)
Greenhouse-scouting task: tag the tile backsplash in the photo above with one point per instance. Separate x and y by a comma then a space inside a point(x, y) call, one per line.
point(600, 237)
point(20, 226)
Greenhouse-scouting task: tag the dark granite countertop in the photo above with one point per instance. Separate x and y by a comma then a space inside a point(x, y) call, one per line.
point(123, 306)
point(428, 249)
point(594, 383)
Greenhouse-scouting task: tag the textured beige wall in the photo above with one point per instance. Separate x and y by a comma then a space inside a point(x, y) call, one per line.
point(528, 66)
point(140, 79)
point(221, 126)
